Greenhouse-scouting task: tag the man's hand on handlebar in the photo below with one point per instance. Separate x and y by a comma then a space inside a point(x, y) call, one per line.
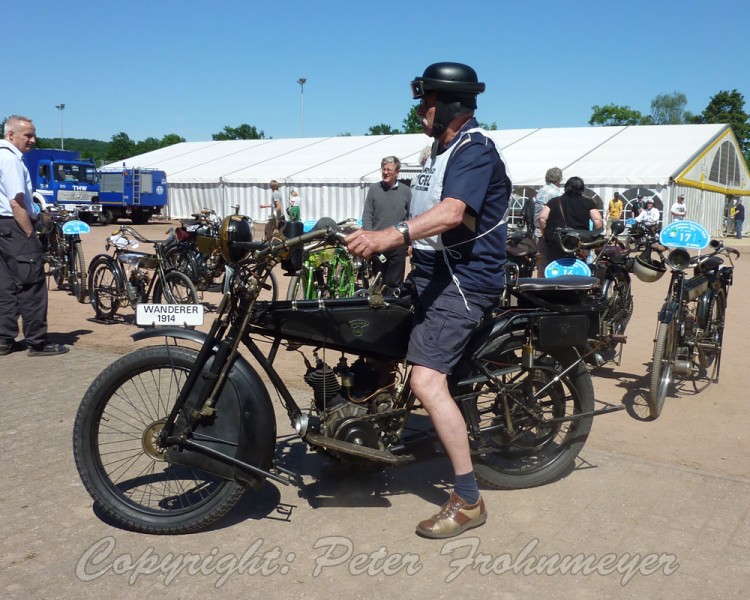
point(370, 243)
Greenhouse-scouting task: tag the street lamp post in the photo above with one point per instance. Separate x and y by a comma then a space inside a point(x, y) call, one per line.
point(61, 108)
point(302, 82)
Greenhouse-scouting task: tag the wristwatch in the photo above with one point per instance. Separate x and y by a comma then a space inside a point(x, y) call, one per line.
point(403, 229)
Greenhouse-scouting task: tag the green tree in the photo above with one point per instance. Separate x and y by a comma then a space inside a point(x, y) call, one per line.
point(489, 126)
point(413, 122)
point(120, 147)
point(382, 129)
point(171, 139)
point(729, 107)
point(669, 109)
point(147, 145)
point(243, 132)
point(612, 114)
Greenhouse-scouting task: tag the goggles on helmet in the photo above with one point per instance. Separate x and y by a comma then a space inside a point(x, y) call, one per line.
point(423, 85)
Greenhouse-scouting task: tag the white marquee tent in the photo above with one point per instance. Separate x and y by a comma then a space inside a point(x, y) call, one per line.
point(332, 175)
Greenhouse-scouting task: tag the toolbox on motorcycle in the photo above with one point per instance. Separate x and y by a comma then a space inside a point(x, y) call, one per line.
point(341, 323)
point(574, 297)
point(562, 331)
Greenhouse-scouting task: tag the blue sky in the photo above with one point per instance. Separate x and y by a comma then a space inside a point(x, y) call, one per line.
point(190, 67)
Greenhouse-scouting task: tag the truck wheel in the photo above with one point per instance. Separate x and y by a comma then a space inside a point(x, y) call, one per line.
point(107, 217)
point(140, 218)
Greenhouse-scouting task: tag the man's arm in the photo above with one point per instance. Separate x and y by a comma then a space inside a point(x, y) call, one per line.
point(596, 218)
point(542, 220)
point(21, 214)
point(445, 215)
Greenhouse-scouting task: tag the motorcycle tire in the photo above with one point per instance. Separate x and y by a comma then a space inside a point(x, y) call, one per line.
point(270, 290)
point(184, 260)
point(106, 287)
point(712, 335)
point(533, 454)
point(662, 366)
point(179, 289)
point(77, 276)
point(119, 459)
point(619, 303)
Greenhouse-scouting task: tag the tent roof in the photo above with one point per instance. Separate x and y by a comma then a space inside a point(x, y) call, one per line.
point(637, 155)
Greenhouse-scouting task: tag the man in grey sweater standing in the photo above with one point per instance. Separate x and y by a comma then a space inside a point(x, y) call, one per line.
point(387, 204)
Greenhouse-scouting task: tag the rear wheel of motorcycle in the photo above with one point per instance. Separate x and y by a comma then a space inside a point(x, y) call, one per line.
point(119, 459)
point(711, 337)
point(535, 452)
point(662, 366)
point(178, 289)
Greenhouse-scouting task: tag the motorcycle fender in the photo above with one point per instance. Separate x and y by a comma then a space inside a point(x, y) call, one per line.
point(107, 257)
point(243, 428)
point(668, 311)
point(488, 337)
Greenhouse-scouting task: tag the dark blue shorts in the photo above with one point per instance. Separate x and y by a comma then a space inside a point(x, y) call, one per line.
point(442, 325)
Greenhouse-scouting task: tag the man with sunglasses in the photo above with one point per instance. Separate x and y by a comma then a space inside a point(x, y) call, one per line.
point(456, 228)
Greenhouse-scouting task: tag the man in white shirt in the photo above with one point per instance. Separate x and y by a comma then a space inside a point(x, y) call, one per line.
point(649, 215)
point(678, 209)
point(23, 287)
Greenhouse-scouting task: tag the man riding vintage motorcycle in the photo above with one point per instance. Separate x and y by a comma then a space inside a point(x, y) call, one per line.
point(168, 437)
point(457, 232)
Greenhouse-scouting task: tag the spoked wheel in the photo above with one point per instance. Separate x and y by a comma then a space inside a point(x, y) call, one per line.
point(539, 445)
point(711, 338)
point(184, 260)
point(619, 303)
point(270, 290)
point(106, 287)
point(178, 290)
point(51, 268)
point(662, 366)
point(77, 275)
point(119, 456)
point(298, 286)
point(58, 268)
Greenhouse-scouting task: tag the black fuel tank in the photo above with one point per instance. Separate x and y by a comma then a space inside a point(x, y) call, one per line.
point(345, 324)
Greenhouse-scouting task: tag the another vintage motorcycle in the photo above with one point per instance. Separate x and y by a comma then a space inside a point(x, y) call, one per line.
point(168, 437)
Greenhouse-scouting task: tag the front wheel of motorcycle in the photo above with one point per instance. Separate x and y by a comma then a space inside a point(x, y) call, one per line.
point(118, 456)
point(531, 435)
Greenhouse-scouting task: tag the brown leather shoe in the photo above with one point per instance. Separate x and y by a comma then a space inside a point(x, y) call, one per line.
point(455, 517)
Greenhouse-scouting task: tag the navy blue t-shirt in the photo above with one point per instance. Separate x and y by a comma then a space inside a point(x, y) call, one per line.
point(477, 176)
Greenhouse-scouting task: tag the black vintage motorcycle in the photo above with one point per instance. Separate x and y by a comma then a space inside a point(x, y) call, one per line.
point(168, 437)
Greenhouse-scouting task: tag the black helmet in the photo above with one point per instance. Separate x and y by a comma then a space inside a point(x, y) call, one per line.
point(456, 86)
point(447, 77)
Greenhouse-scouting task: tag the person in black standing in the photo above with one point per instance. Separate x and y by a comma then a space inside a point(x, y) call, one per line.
point(573, 210)
point(739, 218)
point(23, 288)
point(387, 203)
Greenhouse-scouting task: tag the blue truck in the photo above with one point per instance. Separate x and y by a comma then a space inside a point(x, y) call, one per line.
point(63, 178)
point(60, 177)
point(137, 194)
